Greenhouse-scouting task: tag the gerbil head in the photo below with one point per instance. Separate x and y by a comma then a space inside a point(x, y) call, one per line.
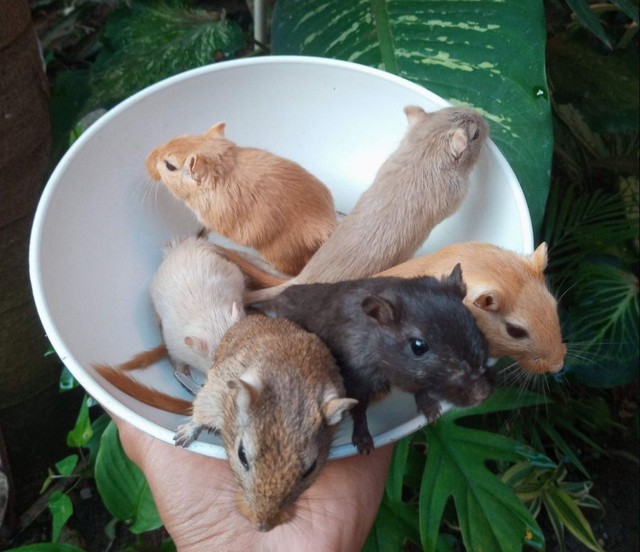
point(277, 433)
point(188, 162)
point(517, 312)
point(461, 131)
point(427, 341)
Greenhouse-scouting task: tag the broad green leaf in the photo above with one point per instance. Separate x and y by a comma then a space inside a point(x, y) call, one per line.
point(81, 432)
point(395, 477)
point(485, 53)
point(98, 428)
point(569, 515)
point(61, 510)
point(491, 516)
point(123, 487)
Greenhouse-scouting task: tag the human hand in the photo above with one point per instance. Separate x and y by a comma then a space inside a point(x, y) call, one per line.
point(195, 496)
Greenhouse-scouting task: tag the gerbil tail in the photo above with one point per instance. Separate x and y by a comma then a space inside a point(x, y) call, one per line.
point(258, 277)
point(143, 393)
point(263, 295)
point(144, 359)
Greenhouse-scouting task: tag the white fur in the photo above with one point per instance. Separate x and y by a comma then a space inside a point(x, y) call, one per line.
point(194, 292)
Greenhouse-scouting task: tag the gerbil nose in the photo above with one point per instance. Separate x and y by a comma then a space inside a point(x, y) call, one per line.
point(265, 526)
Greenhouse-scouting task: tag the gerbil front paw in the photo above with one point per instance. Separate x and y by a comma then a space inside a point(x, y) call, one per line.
point(362, 441)
point(429, 407)
point(187, 433)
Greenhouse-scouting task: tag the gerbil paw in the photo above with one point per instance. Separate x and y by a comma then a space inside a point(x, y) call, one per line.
point(364, 443)
point(429, 407)
point(187, 434)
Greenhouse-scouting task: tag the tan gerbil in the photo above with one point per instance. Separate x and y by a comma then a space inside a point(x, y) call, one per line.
point(251, 196)
point(506, 293)
point(276, 396)
point(197, 296)
point(421, 183)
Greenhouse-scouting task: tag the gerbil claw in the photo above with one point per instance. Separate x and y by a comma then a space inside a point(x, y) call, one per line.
point(364, 443)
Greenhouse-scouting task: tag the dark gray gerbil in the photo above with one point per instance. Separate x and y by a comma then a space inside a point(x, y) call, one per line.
point(414, 333)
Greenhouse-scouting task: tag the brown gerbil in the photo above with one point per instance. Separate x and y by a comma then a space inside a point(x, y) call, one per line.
point(421, 183)
point(251, 196)
point(276, 396)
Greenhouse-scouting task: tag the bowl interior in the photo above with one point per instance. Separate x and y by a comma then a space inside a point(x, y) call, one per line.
point(101, 224)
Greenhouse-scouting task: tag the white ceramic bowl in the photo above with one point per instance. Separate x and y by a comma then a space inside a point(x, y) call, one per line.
point(100, 226)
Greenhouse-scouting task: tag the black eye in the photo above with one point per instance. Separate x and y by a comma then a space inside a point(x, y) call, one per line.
point(517, 332)
point(310, 470)
point(418, 347)
point(170, 166)
point(243, 457)
point(476, 134)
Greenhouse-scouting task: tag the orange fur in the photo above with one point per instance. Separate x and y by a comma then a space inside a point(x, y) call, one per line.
point(143, 393)
point(249, 195)
point(502, 288)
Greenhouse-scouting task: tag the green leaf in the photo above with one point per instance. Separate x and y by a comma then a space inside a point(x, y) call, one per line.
point(81, 432)
point(589, 19)
point(395, 477)
point(567, 512)
point(67, 381)
point(389, 531)
point(149, 42)
point(98, 428)
point(123, 487)
point(490, 515)
point(66, 466)
point(463, 51)
point(61, 510)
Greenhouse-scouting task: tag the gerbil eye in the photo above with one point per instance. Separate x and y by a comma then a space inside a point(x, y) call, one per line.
point(170, 166)
point(310, 470)
point(517, 332)
point(243, 457)
point(418, 346)
point(476, 134)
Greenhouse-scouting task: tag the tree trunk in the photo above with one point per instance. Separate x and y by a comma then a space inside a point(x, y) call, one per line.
point(30, 405)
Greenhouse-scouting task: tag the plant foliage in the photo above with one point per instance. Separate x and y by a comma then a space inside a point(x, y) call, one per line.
point(462, 51)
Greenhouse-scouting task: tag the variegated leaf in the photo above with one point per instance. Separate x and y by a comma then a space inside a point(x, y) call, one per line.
point(485, 53)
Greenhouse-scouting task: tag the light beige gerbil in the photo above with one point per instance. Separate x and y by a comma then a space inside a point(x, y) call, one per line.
point(507, 295)
point(423, 182)
point(251, 196)
point(197, 296)
point(276, 395)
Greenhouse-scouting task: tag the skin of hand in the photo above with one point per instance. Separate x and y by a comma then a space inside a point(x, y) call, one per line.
point(195, 496)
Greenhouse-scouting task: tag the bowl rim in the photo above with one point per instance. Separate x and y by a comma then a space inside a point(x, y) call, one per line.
point(91, 385)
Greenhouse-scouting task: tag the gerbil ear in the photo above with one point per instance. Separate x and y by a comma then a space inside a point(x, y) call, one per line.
point(380, 309)
point(458, 143)
point(455, 280)
point(199, 345)
point(248, 388)
point(196, 166)
point(333, 409)
point(538, 258)
point(217, 129)
point(235, 312)
point(488, 300)
point(415, 114)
